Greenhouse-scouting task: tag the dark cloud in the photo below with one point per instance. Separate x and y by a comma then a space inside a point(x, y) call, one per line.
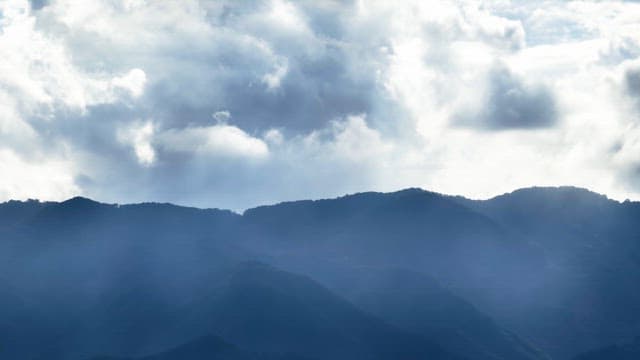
point(38, 4)
point(513, 104)
point(629, 175)
point(632, 85)
point(310, 94)
point(319, 73)
point(629, 172)
point(632, 80)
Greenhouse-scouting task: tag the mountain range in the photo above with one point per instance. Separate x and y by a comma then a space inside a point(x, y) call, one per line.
point(539, 273)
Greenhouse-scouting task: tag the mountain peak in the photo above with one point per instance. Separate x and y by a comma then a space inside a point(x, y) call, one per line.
point(77, 200)
point(80, 203)
point(566, 189)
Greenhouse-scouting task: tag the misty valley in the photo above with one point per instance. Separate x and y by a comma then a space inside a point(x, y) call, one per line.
point(540, 273)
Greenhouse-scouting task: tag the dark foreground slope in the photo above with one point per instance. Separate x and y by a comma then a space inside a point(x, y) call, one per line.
point(265, 311)
point(268, 310)
point(417, 303)
point(208, 348)
point(624, 351)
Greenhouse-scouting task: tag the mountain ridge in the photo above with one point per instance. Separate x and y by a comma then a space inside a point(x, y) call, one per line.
point(555, 268)
point(409, 190)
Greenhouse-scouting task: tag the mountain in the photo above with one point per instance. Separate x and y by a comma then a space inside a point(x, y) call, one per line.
point(94, 274)
point(586, 293)
point(467, 251)
point(15, 212)
point(268, 310)
point(571, 218)
point(79, 218)
point(261, 309)
point(414, 229)
point(553, 269)
point(553, 264)
point(417, 303)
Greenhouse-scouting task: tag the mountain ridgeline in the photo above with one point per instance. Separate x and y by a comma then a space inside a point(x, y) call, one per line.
point(540, 273)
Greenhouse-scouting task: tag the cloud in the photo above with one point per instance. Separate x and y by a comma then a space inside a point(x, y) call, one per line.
point(132, 82)
point(233, 104)
point(261, 61)
point(222, 116)
point(511, 103)
point(632, 82)
point(139, 137)
point(215, 141)
point(45, 178)
point(38, 4)
point(620, 48)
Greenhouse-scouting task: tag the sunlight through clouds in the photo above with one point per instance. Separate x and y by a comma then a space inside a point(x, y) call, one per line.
point(379, 95)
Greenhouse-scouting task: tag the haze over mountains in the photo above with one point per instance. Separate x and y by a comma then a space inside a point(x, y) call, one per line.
point(539, 273)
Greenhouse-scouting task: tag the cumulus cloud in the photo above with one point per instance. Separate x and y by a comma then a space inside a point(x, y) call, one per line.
point(215, 141)
point(131, 82)
point(232, 103)
point(139, 137)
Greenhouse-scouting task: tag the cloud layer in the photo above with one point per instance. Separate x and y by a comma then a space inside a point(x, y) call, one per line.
point(233, 104)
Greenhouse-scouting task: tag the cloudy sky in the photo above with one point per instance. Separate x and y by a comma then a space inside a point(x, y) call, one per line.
point(237, 103)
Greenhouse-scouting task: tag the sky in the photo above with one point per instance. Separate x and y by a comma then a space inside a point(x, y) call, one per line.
point(233, 104)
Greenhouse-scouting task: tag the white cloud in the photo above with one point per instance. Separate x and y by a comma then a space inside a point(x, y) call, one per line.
point(140, 136)
point(41, 179)
point(133, 82)
point(40, 70)
point(219, 140)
